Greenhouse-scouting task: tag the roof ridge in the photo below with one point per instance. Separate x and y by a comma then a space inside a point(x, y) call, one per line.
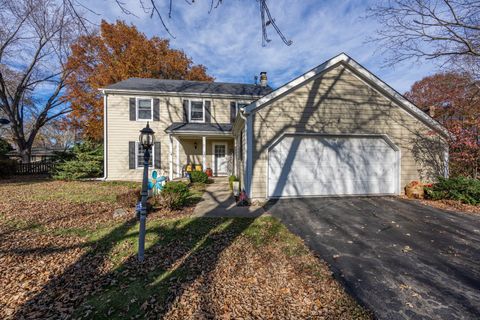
point(196, 81)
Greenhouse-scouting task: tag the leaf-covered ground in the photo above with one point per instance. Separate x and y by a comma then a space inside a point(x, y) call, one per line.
point(62, 255)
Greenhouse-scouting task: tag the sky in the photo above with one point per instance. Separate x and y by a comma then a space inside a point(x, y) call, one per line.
point(228, 40)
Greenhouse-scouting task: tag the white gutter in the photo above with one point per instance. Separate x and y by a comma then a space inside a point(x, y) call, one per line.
point(179, 94)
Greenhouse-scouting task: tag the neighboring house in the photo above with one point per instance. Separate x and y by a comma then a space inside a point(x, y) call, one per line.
point(336, 130)
point(37, 154)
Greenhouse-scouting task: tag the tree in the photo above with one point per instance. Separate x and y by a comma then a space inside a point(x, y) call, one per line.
point(151, 7)
point(86, 162)
point(453, 99)
point(117, 53)
point(5, 147)
point(442, 30)
point(35, 36)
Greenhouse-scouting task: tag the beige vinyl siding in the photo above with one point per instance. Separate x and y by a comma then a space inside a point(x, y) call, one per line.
point(238, 131)
point(120, 130)
point(338, 102)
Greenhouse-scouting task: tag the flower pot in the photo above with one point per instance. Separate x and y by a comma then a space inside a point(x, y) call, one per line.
point(209, 172)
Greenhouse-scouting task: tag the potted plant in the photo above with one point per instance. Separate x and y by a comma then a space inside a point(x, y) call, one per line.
point(209, 172)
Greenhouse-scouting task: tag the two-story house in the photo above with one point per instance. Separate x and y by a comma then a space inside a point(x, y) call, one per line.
point(192, 120)
point(335, 130)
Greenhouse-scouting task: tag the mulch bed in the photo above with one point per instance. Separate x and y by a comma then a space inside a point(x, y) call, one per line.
point(452, 205)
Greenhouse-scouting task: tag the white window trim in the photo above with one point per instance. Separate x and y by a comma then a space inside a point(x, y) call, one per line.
point(190, 110)
point(152, 154)
point(136, 108)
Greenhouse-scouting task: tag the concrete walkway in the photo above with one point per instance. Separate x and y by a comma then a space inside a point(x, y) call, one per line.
point(217, 201)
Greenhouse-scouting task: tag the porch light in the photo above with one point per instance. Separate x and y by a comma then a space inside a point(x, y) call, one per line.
point(146, 137)
point(195, 145)
point(146, 140)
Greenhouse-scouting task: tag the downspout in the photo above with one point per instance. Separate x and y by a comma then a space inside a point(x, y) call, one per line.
point(105, 140)
point(247, 170)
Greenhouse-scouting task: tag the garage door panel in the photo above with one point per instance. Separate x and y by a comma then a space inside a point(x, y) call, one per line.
point(316, 165)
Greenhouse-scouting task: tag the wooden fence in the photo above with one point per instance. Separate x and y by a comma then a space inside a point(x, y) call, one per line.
point(40, 167)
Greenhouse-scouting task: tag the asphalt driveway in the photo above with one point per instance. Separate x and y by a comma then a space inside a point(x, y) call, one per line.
point(401, 259)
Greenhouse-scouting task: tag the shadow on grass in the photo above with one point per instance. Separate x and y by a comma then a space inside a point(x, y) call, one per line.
point(178, 251)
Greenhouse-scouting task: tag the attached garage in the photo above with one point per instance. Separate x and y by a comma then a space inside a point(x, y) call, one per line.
point(322, 165)
point(337, 130)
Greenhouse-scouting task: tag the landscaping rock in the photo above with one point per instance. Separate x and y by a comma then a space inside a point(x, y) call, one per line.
point(120, 212)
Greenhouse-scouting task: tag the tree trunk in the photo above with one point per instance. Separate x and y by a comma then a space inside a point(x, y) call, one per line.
point(25, 154)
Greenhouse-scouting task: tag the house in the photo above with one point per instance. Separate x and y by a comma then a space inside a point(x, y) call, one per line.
point(37, 154)
point(335, 130)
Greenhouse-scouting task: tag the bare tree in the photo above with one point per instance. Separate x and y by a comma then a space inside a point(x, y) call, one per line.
point(35, 38)
point(152, 8)
point(444, 30)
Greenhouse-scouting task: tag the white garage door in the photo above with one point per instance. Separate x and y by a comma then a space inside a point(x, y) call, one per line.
point(309, 165)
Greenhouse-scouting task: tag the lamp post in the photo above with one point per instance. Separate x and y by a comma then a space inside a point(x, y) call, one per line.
point(146, 140)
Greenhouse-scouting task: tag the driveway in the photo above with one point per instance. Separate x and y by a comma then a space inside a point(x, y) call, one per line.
point(401, 259)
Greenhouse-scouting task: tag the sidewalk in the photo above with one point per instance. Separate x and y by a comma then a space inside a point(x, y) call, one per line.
point(217, 201)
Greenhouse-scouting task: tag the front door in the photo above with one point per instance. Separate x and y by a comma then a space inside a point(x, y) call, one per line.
point(220, 161)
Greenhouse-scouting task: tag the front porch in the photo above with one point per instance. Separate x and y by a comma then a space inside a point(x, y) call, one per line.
point(213, 148)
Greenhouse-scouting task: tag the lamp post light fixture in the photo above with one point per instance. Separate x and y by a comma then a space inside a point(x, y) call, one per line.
point(146, 140)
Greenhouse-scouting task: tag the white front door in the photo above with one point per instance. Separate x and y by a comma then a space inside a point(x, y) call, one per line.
point(305, 165)
point(220, 160)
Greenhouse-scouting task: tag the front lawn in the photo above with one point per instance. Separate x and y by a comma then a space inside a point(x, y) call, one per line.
point(62, 254)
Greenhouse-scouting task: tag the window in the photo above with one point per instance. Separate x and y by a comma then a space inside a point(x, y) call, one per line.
point(140, 152)
point(197, 111)
point(144, 109)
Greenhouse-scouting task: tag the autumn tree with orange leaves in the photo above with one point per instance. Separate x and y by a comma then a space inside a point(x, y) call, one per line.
point(118, 52)
point(453, 99)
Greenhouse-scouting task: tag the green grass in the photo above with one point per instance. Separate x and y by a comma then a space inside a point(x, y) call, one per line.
point(75, 191)
point(194, 238)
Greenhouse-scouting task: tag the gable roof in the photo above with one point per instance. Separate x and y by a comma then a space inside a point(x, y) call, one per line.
point(189, 87)
point(364, 74)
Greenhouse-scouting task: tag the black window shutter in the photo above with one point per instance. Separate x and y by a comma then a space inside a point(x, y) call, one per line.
point(156, 109)
point(208, 116)
point(185, 111)
point(158, 153)
point(133, 113)
point(131, 154)
point(233, 111)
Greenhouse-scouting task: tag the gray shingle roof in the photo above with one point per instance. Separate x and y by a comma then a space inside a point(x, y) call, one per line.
point(184, 86)
point(178, 127)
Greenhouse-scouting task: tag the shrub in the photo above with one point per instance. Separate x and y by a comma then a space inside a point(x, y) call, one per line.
point(7, 168)
point(87, 162)
point(461, 189)
point(174, 195)
point(199, 176)
point(230, 181)
point(5, 147)
point(129, 199)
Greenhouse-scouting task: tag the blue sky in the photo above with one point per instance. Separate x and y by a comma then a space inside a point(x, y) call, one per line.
point(228, 40)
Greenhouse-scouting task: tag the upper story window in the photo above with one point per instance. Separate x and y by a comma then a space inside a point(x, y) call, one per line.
point(144, 109)
point(197, 111)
